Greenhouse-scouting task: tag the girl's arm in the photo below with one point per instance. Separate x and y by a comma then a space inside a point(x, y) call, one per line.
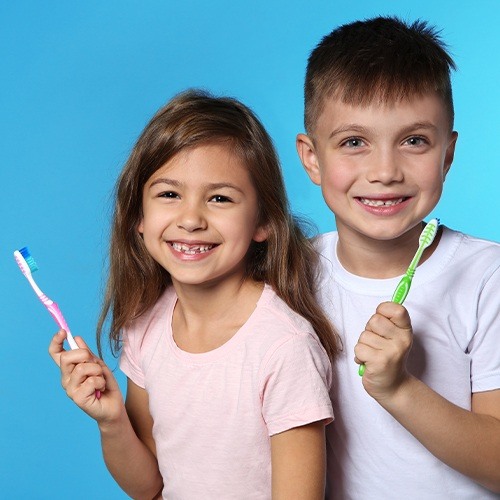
point(131, 461)
point(467, 441)
point(129, 449)
point(298, 460)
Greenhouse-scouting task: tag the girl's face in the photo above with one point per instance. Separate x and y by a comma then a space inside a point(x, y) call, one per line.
point(200, 215)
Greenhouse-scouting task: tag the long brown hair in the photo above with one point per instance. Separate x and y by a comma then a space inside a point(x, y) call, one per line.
point(286, 260)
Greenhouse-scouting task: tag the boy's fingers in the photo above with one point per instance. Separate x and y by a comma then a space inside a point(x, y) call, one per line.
point(396, 313)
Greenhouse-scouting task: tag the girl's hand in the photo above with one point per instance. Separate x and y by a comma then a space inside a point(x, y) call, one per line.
point(82, 374)
point(384, 348)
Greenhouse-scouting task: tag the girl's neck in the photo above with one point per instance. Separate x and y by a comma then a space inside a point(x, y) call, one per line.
point(380, 259)
point(206, 317)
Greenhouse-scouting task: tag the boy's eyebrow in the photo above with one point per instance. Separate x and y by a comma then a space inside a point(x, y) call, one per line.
point(347, 127)
point(353, 127)
point(420, 126)
point(211, 185)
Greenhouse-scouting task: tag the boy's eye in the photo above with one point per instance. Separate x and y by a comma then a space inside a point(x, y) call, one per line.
point(218, 198)
point(353, 142)
point(415, 141)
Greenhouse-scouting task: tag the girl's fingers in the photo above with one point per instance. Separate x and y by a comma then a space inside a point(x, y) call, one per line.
point(84, 374)
point(56, 346)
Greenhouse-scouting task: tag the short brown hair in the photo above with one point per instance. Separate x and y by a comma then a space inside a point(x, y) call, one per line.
point(382, 58)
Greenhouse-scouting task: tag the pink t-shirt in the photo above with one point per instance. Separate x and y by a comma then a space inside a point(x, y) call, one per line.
point(214, 412)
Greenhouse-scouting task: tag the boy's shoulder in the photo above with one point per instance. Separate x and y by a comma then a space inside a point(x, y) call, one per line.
point(470, 249)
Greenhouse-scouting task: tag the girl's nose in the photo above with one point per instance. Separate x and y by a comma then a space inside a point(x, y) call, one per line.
point(191, 218)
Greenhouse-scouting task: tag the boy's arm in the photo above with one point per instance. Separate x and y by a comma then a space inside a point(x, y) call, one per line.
point(298, 458)
point(128, 447)
point(468, 441)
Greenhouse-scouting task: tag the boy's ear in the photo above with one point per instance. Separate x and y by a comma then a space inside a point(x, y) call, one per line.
point(307, 154)
point(450, 153)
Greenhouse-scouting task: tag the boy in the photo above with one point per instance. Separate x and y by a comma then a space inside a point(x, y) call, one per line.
point(424, 421)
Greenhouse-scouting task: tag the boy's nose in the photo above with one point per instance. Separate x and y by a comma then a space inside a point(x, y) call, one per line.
point(191, 219)
point(385, 168)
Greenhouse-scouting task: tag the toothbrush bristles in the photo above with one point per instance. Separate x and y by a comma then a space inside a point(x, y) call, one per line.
point(29, 259)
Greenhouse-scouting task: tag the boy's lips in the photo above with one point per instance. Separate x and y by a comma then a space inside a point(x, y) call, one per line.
point(382, 202)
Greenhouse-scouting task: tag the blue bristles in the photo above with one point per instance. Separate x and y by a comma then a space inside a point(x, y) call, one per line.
point(29, 259)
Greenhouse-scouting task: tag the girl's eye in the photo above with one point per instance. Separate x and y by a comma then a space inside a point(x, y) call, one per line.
point(218, 198)
point(353, 142)
point(168, 194)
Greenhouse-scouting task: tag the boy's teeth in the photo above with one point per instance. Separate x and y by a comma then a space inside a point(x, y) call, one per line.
point(380, 203)
point(191, 249)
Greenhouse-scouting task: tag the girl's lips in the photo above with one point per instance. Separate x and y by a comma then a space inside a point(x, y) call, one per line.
point(191, 251)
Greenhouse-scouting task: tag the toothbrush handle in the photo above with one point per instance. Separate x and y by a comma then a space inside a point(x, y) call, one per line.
point(398, 297)
point(56, 313)
point(402, 290)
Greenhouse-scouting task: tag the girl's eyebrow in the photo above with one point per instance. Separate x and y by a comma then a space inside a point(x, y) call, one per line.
point(212, 185)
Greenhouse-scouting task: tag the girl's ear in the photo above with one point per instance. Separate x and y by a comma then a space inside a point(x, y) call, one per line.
point(307, 154)
point(140, 226)
point(261, 234)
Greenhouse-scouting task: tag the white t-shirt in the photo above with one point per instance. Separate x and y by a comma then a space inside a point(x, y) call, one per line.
point(454, 306)
point(214, 412)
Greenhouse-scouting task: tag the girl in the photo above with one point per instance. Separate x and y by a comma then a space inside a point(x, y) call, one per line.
point(227, 354)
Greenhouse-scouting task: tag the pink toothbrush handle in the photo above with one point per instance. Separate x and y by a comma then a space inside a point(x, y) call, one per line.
point(56, 313)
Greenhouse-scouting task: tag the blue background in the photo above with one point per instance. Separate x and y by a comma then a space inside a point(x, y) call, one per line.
point(79, 82)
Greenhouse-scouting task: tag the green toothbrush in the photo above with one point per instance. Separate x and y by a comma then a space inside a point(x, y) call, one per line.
point(426, 238)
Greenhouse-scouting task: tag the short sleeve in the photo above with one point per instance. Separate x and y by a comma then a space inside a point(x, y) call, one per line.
point(295, 384)
point(484, 348)
point(130, 356)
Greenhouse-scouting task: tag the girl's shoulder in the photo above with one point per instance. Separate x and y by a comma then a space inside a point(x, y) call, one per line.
point(156, 314)
point(274, 317)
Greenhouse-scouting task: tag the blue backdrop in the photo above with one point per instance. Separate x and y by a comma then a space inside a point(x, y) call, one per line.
point(79, 82)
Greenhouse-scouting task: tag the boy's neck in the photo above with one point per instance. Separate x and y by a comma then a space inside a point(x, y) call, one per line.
point(381, 259)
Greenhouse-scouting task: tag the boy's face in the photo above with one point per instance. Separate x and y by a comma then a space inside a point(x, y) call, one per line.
point(381, 167)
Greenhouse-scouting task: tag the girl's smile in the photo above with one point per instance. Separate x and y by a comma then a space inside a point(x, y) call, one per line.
point(190, 251)
point(200, 215)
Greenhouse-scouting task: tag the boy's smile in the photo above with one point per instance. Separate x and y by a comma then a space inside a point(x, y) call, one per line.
point(381, 167)
point(200, 215)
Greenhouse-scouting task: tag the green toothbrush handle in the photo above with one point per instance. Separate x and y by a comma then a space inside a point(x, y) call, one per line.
point(398, 297)
point(402, 290)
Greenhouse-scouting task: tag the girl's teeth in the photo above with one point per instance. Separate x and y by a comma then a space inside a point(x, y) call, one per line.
point(191, 249)
point(380, 203)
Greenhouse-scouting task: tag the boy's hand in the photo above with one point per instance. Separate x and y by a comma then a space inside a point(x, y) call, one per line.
point(384, 348)
point(82, 374)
